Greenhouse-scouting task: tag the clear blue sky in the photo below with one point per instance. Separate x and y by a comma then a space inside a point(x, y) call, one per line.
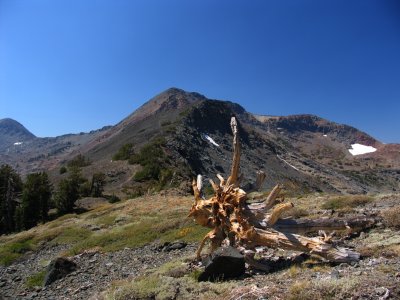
point(71, 65)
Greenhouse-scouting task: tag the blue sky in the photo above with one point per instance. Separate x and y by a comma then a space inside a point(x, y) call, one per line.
point(70, 65)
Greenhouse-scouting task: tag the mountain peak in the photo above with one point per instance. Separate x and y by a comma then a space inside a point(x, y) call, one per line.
point(177, 91)
point(12, 132)
point(13, 128)
point(170, 99)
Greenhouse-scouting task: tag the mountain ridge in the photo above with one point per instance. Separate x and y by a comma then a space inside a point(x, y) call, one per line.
point(304, 151)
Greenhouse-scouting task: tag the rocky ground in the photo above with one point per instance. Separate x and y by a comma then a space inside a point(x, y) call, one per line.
point(371, 278)
point(95, 271)
point(375, 276)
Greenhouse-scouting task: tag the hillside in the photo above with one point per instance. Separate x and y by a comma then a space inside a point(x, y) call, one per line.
point(148, 247)
point(145, 247)
point(306, 153)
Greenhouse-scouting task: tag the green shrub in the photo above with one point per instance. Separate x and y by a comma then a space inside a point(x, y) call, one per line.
point(155, 164)
point(165, 123)
point(63, 170)
point(150, 153)
point(79, 161)
point(72, 235)
point(36, 279)
point(113, 198)
point(9, 252)
point(149, 171)
point(124, 153)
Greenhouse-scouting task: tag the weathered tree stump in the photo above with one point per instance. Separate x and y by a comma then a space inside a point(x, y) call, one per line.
point(251, 225)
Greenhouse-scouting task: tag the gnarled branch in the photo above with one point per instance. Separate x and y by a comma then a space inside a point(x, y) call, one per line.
point(257, 224)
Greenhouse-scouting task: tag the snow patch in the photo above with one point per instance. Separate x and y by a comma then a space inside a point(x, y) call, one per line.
point(18, 143)
point(287, 163)
point(358, 149)
point(325, 135)
point(208, 138)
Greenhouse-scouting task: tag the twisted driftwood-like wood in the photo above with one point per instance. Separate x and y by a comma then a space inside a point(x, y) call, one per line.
point(251, 225)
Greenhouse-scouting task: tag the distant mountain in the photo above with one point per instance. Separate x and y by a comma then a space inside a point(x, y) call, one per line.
point(13, 133)
point(304, 152)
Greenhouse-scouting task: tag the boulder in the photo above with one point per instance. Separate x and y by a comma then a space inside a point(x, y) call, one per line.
point(224, 263)
point(59, 268)
point(174, 246)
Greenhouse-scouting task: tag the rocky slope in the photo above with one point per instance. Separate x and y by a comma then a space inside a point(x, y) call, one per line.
point(304, 152)
point(110, 264)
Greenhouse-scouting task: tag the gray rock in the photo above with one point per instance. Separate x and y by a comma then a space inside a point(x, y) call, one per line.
point(224, 263)
point(335, 274)
point(174, 246)
point(59, 268)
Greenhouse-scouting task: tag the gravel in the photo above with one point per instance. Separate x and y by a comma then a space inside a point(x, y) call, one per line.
point(95, 271)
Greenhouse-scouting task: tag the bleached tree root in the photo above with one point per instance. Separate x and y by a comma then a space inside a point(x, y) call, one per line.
point(316, 246)
point(249, 226)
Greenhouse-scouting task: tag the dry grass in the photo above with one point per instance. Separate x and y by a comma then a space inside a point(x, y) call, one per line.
point(36, 280)
point(391, 217)
point(342, 288)
point(379, 243)
point(172, 280)
point(131, 223)
point(349, 201)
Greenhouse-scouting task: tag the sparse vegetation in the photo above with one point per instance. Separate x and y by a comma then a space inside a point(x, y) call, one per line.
point(296, 212)
point(323, 289)
point(350, 201)
point(155, 164)
point(10, 189)
point(97, 184)
point(35, 201)
point(113, 198)
point(165, 123)
point(36, 279)
point(14, 249)
point(162, 283)
point(391, 217)
point(68, 191)
point(142, 224)
point(79, 161)
point(124, 153)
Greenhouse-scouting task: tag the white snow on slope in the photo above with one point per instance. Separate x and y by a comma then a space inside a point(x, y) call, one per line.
point(210, 140)
point(287, 163)
point(17, 143)
point(358, 149)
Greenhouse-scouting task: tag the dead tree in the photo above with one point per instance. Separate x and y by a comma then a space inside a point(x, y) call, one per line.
point(231, 218)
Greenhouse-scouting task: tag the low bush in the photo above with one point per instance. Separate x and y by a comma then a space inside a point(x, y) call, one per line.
point(113, 198)
point(346, 202)
point(36, 279)
point(391, 217)
point(124, 153)
point(162, 283)
point(63, 170)
point(79, 161)
point(342, 288)
point(12, 250)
